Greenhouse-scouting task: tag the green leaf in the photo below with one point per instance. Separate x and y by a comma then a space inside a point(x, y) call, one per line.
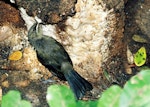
point(136, 91)
point(25, 103)
point(87, 103)
point(110, 97)
point(60, 96)
point(140, 57)
point(13, 99)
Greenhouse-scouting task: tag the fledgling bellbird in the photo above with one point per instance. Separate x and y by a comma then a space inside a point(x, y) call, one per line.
point(54, 57)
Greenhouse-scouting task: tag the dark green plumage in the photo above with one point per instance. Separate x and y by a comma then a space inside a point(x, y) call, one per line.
point(54, 57)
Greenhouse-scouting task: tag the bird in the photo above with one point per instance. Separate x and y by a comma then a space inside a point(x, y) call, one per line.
point(55, 58)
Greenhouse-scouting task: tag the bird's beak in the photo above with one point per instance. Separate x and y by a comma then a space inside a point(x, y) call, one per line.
point(35, 30)
point(39, 29)
point(32, 29)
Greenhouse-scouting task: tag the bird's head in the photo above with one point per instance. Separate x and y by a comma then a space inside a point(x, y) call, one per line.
point(35, 31)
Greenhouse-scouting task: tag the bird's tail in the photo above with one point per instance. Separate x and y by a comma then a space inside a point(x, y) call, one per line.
point(78, 84)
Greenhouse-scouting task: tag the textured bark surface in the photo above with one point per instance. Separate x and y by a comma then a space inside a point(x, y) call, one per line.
point(10, 15)
point(49, 11)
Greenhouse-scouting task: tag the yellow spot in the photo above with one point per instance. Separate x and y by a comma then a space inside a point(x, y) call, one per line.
point(15, 56)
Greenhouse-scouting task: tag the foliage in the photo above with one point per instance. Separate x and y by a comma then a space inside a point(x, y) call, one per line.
point(13, 99)
point(136, 91)
point(110, 98)
point(60, 95)
point(134, 94)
